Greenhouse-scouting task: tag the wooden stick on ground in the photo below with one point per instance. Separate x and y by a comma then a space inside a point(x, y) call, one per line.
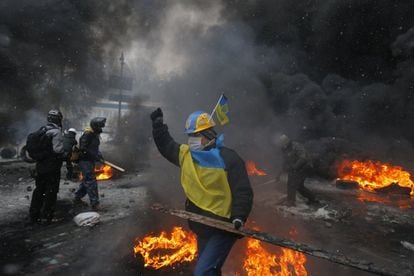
point(113, 165)
point(304, 248)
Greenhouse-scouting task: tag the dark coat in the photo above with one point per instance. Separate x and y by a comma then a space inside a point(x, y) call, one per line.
point(89, 146)
point(69, 140)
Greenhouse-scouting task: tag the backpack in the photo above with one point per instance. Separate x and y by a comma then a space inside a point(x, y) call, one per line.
point(39, 145)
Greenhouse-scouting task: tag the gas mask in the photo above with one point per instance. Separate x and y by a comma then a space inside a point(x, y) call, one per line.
point(195, 143)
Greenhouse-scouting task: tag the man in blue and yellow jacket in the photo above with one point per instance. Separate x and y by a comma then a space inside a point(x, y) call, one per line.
point(215, 182)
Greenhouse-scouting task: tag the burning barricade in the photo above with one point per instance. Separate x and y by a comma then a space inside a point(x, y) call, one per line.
point(375, 176)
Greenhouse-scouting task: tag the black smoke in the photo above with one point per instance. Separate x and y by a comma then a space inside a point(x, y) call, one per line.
point(348, 75)
point(132, 141)
point(317, 70)
point(53, 56)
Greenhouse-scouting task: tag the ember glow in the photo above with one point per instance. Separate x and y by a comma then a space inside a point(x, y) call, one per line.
point(260, 261)
point(160, 251)
point(373, 175)
point(252, 170)
point(103, 172)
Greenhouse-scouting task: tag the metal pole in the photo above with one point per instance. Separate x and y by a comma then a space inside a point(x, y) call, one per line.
point(122, 60)
point(214, 110)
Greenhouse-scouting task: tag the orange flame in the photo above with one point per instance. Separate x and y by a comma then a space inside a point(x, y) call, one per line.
point(260, 261)
point(372, 175)
point(181, 247)
point(160, 251)
point(252, 170)
point(103, 172)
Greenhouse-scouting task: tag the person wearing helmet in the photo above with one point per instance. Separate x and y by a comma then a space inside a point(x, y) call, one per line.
point(215, 182)
point(297, 164)
point(69, 141)
point(43, 203)
point(89, 153)
point(55, 117)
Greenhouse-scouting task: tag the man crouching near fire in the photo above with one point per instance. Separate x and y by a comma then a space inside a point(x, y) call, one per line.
point(215, 182)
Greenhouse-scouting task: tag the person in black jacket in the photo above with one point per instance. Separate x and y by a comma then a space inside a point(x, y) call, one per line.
point(89, 153)
point(48, 172)
point(69, 140)
point(215, 182)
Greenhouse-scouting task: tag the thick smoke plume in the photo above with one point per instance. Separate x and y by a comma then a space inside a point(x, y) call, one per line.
point(336, 75)
point(52, 56)
point(349, 75)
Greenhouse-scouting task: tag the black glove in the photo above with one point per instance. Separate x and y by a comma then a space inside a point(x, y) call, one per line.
point(157, 117)
point(237, 223)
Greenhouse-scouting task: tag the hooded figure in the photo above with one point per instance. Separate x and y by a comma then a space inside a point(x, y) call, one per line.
point(215, 182)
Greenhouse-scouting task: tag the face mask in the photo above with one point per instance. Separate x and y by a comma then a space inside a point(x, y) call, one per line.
point(195, 143)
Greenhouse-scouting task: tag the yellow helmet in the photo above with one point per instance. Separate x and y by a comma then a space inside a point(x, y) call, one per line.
point(198, 121)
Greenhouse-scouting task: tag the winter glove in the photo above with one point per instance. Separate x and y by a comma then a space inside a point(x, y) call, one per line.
point(157, 118)
point(237, 223)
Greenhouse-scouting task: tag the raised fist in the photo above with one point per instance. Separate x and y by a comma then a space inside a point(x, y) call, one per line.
point(157, 117)
point(156, 114)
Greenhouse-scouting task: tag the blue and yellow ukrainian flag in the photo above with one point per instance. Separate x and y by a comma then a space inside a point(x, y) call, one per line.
point(222, 111)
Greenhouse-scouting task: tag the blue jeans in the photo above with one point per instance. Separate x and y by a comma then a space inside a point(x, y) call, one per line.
point(89, 185)
point(212, 253)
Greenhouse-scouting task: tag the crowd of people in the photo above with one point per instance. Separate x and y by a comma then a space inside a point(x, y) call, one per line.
point(49, 147)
